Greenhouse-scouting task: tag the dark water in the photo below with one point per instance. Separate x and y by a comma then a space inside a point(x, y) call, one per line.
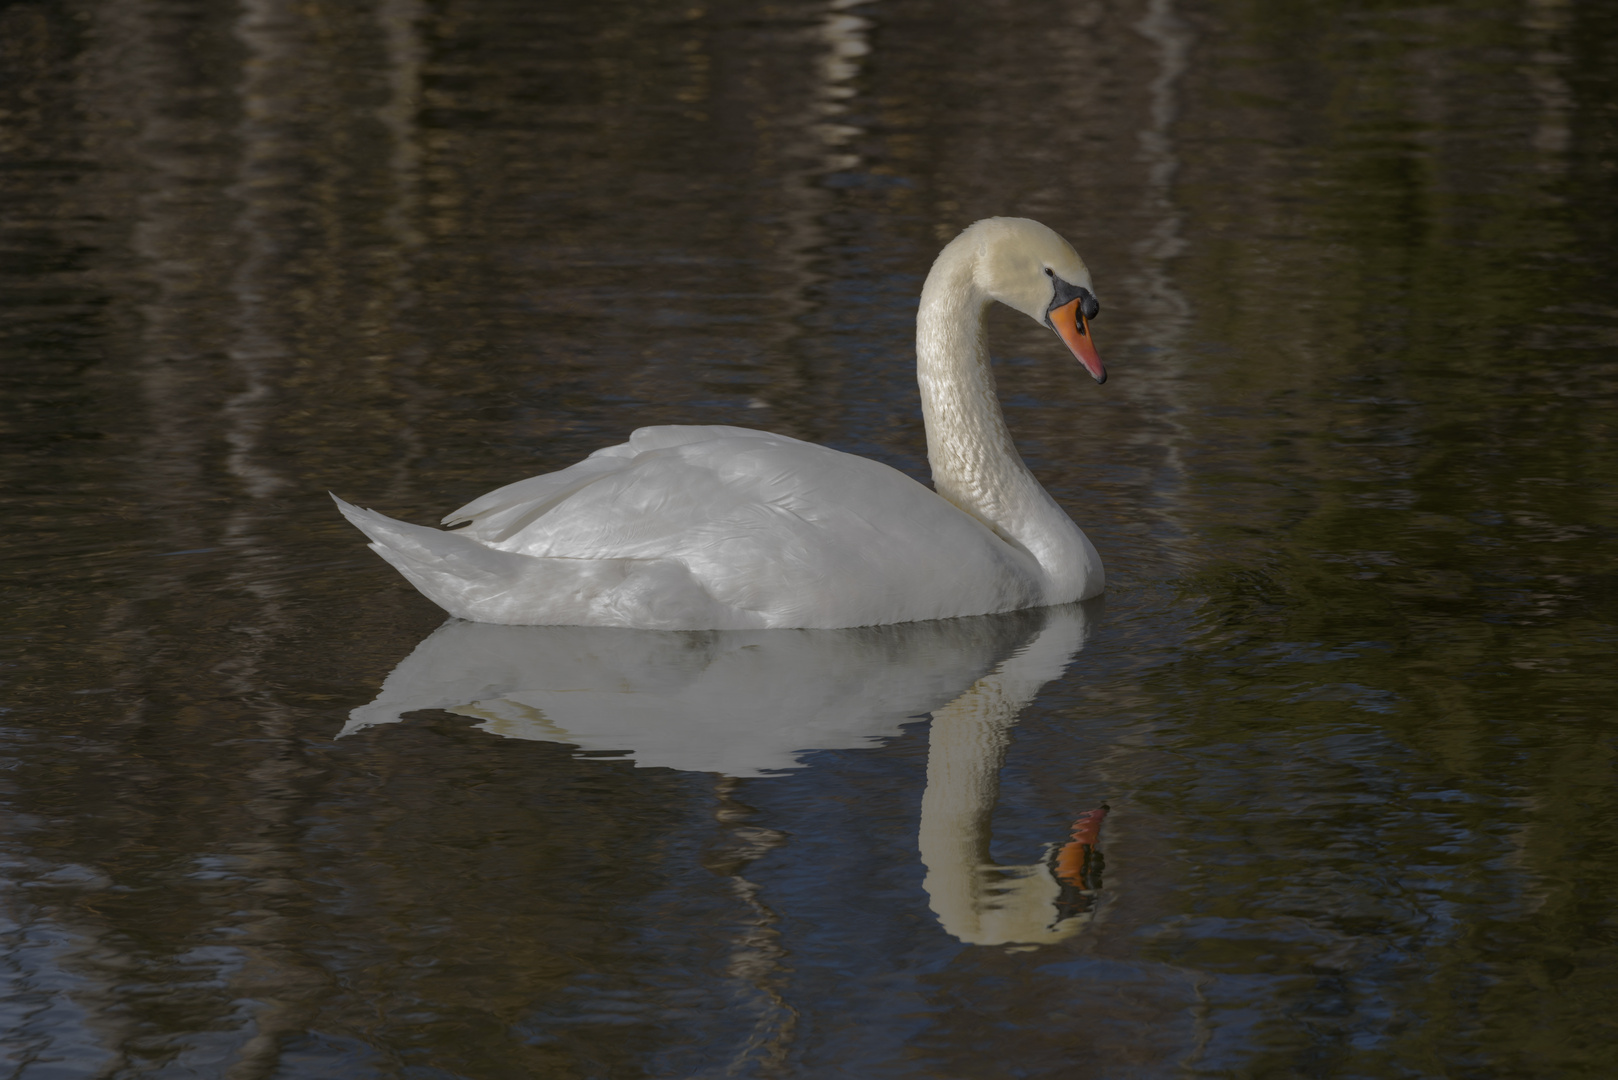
point(1350, 697)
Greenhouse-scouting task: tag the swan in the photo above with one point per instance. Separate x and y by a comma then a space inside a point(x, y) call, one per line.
point(727, 528)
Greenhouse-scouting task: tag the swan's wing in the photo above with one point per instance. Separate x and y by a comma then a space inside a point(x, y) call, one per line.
point(496, 515)
point(711, 527)
point(661, 438)
point(801, 534)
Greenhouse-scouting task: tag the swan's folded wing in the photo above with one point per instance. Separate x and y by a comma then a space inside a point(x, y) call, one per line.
point(651, 506)
point(801, 534)
point(496, 516)
point(663, 437)
point(503, 511)
point(712, 528)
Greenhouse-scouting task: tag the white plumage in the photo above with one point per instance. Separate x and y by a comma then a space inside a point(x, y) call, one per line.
point(727, 528)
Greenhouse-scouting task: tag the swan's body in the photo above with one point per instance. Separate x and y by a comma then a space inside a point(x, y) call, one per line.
point(727, 528)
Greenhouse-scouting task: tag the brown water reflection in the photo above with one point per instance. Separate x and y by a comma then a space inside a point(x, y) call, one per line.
point(1350, 699)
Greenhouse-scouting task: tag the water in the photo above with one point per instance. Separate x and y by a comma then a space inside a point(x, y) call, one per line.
point(1349, 698)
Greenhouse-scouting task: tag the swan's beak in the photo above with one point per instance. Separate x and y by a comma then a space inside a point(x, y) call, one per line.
point(1070, 324)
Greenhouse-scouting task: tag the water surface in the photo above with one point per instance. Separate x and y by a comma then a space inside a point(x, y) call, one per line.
point(1349, 698)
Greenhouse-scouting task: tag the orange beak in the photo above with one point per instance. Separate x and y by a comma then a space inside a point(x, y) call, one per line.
point(1074, 329)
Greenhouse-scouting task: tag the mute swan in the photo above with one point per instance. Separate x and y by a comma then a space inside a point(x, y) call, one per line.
point(716, 528)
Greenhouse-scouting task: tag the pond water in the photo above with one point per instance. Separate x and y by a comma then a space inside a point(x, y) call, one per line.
point(1349, 701)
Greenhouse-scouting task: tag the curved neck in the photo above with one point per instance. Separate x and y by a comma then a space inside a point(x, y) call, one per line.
point(975, 464)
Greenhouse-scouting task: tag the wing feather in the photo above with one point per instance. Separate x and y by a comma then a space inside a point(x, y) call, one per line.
point(711, 527)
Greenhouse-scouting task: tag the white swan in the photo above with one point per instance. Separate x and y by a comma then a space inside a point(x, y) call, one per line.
point(727, 528)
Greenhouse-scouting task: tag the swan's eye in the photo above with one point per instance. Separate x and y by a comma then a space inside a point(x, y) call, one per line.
point(1049, 272)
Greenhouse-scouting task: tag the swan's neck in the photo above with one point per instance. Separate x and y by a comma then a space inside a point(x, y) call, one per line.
point(975, 464)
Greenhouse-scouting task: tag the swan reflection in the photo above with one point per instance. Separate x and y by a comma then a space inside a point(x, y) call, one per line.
point(749, 703)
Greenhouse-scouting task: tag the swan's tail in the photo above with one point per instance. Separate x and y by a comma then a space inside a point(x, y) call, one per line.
point(483, 584)
point(452, 571)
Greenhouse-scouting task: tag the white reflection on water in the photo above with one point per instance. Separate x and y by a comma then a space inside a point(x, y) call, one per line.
point(847, 41)
point(751, 703)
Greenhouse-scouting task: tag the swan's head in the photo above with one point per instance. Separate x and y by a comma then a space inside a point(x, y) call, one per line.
point(1025, 265)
